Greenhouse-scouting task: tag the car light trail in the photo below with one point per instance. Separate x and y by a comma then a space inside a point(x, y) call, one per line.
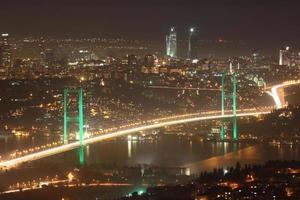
point(67, 147)
point(274, 92)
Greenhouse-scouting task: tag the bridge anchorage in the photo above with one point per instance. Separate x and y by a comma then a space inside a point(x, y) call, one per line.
point(232, 96)
point(77, 118)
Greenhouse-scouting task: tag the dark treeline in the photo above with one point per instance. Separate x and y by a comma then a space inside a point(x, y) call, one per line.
point(282, 123)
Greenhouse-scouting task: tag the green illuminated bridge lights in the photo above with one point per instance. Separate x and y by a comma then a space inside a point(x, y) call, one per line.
point(75, 119)
point(152, 124)
point(230, 96)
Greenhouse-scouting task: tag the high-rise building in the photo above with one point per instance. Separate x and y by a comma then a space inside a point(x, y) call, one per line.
point(5, 55)
point(256, 58)
point(298, 60)
point(149, 60)
point(1, 55)
point(132, 61)
point(171, 43)
point(192, 44)
point(287, 57)
point(283, 55)
point(49, 57)
point(5, 50)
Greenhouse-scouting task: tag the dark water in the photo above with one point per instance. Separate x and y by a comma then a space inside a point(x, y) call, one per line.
point(253, 154)
point(12, 143)
point(168, 150)
point(172, 151)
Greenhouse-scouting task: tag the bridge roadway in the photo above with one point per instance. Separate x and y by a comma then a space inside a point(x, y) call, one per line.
point(275, 91)
point(168, 121)
point(278, 96)
point(184, 88)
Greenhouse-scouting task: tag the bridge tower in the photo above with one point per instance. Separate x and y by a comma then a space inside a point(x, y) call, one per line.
point(232, 96)
point(74, 119)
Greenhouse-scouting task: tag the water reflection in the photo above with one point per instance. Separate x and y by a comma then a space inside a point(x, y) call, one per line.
point(129, 148)
point(81, 155)
point(12, 143)
point(219, 146)
point(190, 146)
point(88, 151)
point(168, 150)
point(234, 147)
point(225, 144)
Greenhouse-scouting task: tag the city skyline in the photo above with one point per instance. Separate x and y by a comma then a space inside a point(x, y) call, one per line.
point(156, 99)
point(231, 19)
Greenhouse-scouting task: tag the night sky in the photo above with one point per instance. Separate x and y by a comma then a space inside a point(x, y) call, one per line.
point(265, 22)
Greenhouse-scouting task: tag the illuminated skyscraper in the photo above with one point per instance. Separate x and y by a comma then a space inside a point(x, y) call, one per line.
point(192, 44)
point(283, 55)
point(5, 50)
point(256, 58)
point(171, 43)
point(287, 57)
point(5, 55)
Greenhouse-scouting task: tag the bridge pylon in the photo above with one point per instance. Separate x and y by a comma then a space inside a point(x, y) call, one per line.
point(73, 119)
point(232, 96)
